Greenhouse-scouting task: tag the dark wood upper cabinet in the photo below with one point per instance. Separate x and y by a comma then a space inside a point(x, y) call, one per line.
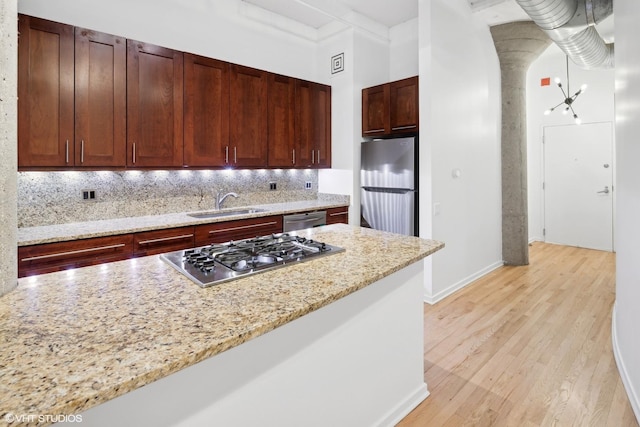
point(206, 111)
point(72, 96)
point(248, 117)
point(281, 121)
point(404, 105)
point(322, 124)
point(375, 110)
point(154, 106)
point(100, 99)
point(92, 100)
point(313, 125)
point(45, 93)
point(391, 108)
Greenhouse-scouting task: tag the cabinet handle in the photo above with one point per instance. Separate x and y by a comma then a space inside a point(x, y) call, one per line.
point(66, 151)
point(294, 157)
point(313, 157)
point(339, 213)
point(374, 130)
point(82, 151)
point(242, 227)
point(235, 155)
point(165, 239)
point(318, 156)
point(226, 154)
point(404, 127)
point(134, 153)
point(79, 251)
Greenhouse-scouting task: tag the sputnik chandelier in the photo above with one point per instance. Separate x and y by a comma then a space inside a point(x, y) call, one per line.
point(568, 100)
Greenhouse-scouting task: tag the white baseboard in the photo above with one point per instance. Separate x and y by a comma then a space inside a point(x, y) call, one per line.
point(535, 239)
point(628, 386)
point(405, 407)
point(432, 299)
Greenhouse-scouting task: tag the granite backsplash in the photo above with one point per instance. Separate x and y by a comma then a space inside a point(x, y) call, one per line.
point(48, 198)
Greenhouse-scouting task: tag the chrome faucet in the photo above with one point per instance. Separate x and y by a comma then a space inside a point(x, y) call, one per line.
point(221, 198)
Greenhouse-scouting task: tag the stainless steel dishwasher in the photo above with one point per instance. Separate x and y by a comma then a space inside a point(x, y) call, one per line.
point(303, 220)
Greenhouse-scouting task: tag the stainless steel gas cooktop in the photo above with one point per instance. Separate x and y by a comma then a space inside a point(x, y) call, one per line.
point(218, 263)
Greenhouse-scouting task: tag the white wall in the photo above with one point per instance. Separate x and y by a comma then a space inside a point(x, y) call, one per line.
point(368, 62)
point(403, 61)
point(596, 104)
point(217, 29)
point(459, 131)
point(626, 316)
point(340, 179)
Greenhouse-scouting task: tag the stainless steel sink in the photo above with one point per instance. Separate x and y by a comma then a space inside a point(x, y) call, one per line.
point(231, 212)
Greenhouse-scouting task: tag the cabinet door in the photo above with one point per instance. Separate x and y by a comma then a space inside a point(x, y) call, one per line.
point(375, 110)
point(322, 125)
point(221, 232)
point(338, 215)
point(100, 99)
point(313, 125)
point(40, 259)
point(154, 105)
point(280, 122)
point(206, 115)
point(45, 93)
point(248, 117)
point(404, 106)
point(160, 241)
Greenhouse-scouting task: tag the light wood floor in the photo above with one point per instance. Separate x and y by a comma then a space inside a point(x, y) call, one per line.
point(526, 346)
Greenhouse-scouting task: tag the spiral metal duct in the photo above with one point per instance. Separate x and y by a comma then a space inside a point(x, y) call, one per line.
point(570, 24)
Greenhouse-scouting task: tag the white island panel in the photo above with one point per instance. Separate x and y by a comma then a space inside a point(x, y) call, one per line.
point(355, 362)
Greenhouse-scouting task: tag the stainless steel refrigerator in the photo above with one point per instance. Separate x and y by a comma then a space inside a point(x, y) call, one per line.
point(388, 177)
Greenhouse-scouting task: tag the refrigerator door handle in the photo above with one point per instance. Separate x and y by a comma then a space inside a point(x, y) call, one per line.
point(388, 190)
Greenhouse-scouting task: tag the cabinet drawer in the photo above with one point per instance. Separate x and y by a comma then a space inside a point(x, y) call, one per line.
point(338, 215)
point(159, 241)
point(39, 259)
point(236, 230)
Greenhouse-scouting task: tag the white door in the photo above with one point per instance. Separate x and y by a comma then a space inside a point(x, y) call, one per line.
point(578, 185)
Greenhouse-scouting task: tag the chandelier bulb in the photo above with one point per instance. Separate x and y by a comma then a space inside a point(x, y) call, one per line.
point(547, 112)
point(583, 87)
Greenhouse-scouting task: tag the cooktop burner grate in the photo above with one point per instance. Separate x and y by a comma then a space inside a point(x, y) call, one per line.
point(221, 262)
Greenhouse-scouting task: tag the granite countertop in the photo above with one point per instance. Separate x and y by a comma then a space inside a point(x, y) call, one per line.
point(109, 227)
point(75, 339)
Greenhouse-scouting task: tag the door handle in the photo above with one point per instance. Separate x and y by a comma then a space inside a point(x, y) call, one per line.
point(605, 191)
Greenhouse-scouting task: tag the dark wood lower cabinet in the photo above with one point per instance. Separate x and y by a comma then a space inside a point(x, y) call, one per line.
point(50, 257)
point(160, 241)
point(338, 215)
point(237, 230)
point(46, 258)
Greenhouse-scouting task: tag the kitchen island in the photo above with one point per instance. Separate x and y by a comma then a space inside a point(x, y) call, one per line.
point(333, 341)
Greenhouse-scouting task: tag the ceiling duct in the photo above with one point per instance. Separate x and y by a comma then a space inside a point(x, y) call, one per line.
point(571, 25)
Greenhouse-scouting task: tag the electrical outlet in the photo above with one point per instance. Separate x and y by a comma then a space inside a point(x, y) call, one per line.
point(272, 186)
point(88, 194)
point(307, 185)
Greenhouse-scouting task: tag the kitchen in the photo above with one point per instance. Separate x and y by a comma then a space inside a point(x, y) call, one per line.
point(471, 206)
